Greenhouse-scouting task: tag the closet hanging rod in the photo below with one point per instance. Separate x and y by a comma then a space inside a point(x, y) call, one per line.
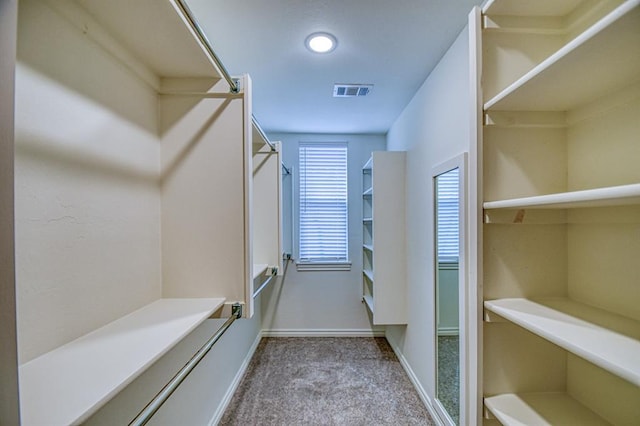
point(263, 286)
point(233, 84)
point(154, 405)
point(261, 132)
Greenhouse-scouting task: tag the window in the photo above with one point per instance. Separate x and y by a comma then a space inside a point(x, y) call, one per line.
point(323, 232)
point(447, 197)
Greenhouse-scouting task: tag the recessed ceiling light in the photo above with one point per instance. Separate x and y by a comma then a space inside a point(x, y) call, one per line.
point(321, 42)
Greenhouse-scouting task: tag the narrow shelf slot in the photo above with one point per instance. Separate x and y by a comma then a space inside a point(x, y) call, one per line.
point(368, 301)
point(599, 197)
point(70, 383)
point(369, 274)
point(367, 220)
point(559, 83)
point(609, 341)
point(368, 192)
point(543, 408)
point(368, 247)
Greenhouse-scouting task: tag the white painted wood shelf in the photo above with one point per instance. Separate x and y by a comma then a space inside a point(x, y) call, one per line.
point(607, 340)
point(598, 197)
point(368, 247)
point(560, 82)
point(70, 383)
point(541, 409)
point(369, 274)
point(368, 192)
point(368, 300)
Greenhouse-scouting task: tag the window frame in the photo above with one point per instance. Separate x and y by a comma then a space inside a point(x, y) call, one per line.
point(321, 264)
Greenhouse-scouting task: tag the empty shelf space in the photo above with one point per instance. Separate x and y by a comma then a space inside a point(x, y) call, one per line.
point(368, 247)
point(609, 341)
point(559, 83)
point(368, 192)
point(68, 384)
point(544, 408)
point(369, 274)
point(610, 196)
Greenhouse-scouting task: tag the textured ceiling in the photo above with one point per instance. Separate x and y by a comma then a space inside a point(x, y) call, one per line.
point(393, 44)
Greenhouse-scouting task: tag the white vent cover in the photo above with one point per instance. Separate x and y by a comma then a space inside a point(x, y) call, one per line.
point(351, 90)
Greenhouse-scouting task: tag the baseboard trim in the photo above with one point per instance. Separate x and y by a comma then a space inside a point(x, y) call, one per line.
point(426, 400)
point(322, 332)
point(217, 416)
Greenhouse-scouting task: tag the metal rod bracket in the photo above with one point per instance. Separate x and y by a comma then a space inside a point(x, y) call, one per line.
point(236, 310)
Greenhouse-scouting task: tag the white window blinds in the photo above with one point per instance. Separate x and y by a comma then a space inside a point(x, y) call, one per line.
point(447, 196)
point(323, 202)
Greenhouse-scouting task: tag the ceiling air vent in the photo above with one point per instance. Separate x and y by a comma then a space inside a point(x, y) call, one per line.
point(351, 90)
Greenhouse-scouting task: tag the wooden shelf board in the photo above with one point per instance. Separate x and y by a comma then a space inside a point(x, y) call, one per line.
point(543, 408)
point(70, 383)
point(560, 82)
point(610, 196)
point(557, 8)
point(368, 274)
point(155, 32)
point(609, 341)
point(368, 301)
point(368, 247)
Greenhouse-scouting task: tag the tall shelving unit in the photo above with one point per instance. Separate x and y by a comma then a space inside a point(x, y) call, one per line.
point(383, 273)
point(561, 201)
point(134, 213)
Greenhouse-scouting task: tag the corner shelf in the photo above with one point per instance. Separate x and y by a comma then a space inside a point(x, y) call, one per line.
point(574, 327)
point(599, 197)
point(68, 384)
point(560, 83)
point(543, 408)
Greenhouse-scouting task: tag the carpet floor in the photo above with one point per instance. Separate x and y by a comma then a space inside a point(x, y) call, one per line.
point(325, 381)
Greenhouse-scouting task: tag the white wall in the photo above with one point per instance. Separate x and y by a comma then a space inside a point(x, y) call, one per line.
point(328, 302)
point(433, 128)
point(9, 411)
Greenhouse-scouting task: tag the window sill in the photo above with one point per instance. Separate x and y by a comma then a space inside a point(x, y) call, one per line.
point(323, 266)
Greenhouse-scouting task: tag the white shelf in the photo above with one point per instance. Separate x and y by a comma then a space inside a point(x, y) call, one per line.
point(368, 247)
point(542, 409)
point(368, 274)
point(68, 384)
point(368, 300)
point(367, 220)
point(560, 82)
point(368, 192)
point(573, 326)
point(154, 31)
point(611, 196)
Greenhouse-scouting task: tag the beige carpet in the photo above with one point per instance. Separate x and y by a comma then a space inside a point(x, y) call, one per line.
point(325, 381)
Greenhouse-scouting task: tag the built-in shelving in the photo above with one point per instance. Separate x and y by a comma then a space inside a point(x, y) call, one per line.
point(383, 285)
point(544, 409)
point(574, 327)
point(68, 384)
point(599, 197)
point(560, 82)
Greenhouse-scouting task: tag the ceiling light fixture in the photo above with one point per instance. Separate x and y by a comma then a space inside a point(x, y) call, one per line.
point(321, 42)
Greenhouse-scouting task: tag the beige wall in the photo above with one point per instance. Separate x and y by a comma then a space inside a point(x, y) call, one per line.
point(433, 128)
